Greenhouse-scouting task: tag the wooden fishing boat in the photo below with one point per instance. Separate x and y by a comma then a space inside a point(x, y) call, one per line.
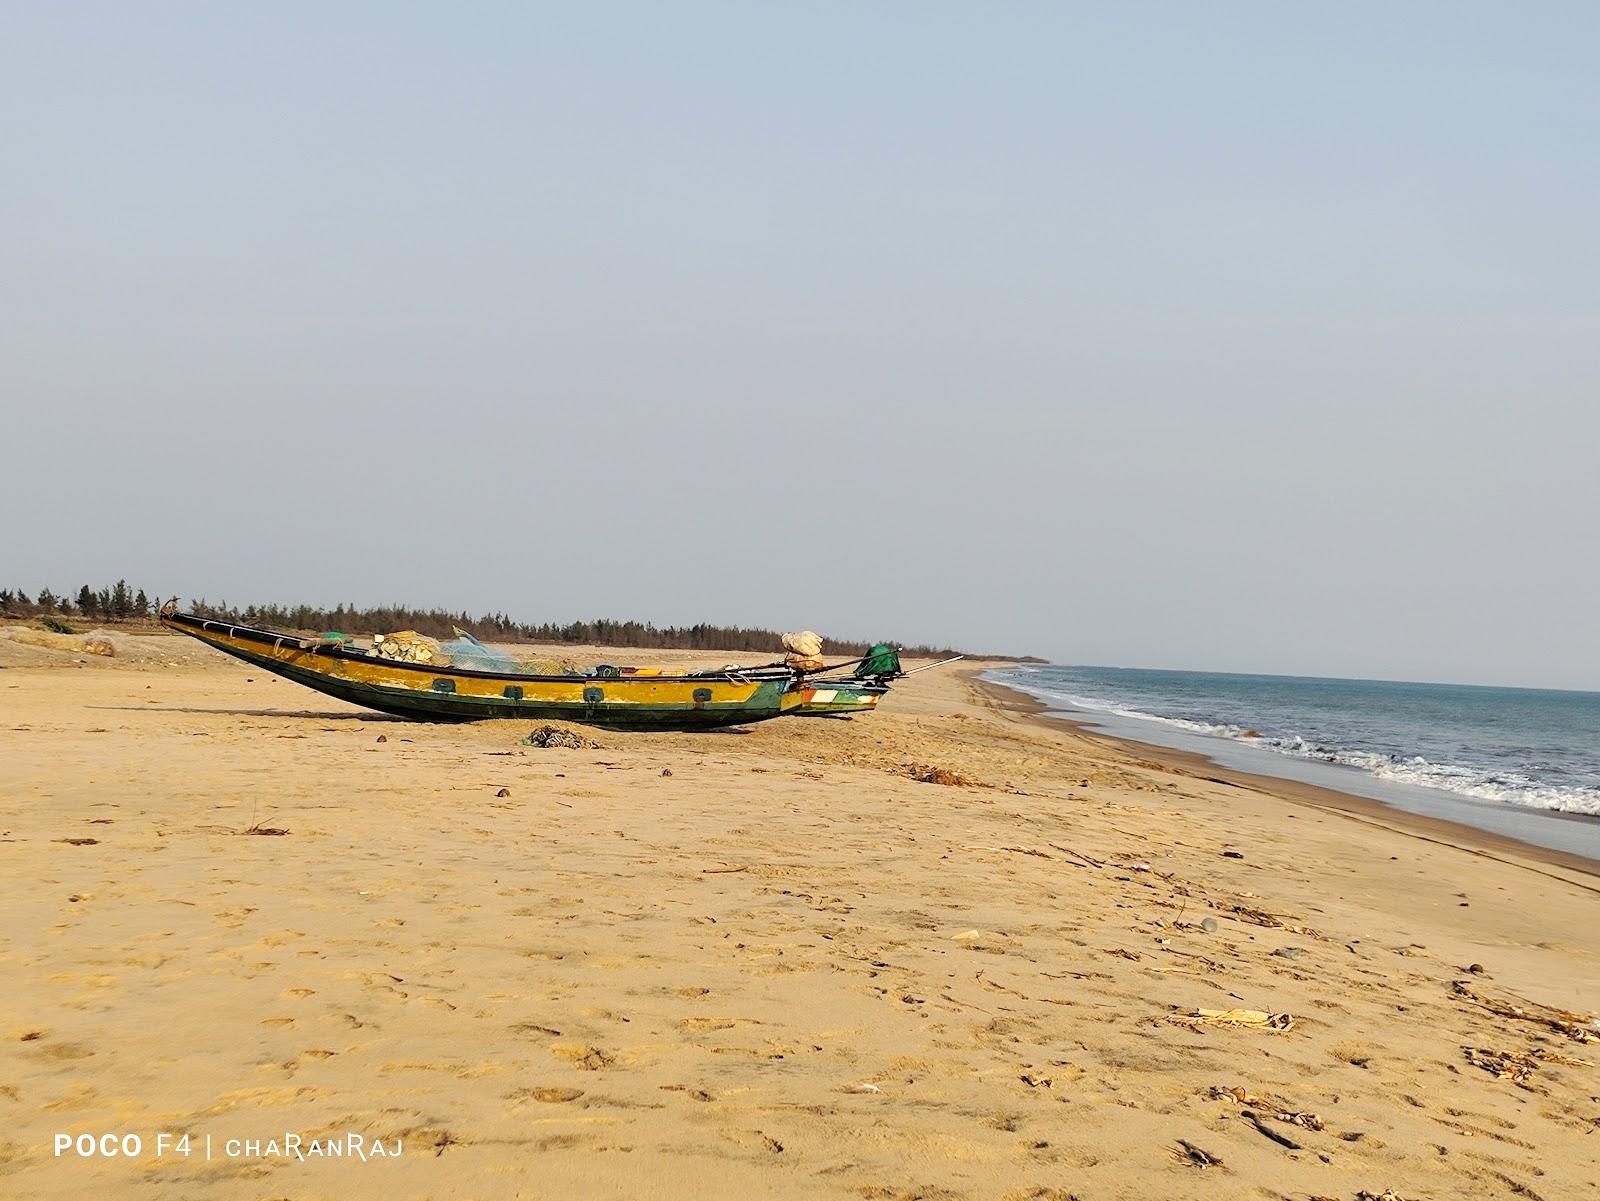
point(432, 692)
point(860, 692)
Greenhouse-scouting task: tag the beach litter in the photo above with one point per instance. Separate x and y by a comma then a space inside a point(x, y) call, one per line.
point(1258, 1019)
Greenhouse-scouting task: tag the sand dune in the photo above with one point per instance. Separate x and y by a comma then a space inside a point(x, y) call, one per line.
point(750, 964)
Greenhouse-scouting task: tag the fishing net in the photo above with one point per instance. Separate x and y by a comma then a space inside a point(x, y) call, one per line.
point(468, 653)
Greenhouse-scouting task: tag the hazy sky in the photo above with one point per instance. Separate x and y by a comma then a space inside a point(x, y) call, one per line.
point(1256, 337)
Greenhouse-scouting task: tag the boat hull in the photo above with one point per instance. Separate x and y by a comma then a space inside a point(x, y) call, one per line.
point(425, 692)
point(837, 698)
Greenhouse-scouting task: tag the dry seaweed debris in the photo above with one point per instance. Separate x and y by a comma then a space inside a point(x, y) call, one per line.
point(927, 774)
point(1260, 917)
point(1518, 1068)
point(1275, 1107)
point(1257, 1018)
point(1550, 1056)
point(1283, 1140)
point(1503, 1065)
point(548, 736)
point(1579, 1027)
point(1198, 1156)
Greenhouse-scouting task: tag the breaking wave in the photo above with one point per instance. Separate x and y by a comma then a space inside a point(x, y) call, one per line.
point(1504, 785)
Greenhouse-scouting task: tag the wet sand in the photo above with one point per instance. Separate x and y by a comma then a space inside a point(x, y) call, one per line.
point(786, 969)
point(1190, 763)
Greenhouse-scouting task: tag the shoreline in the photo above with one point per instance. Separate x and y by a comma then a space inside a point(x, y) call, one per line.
point(1195, 765)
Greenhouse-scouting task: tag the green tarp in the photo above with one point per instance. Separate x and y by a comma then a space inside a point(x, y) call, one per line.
point(881, 660)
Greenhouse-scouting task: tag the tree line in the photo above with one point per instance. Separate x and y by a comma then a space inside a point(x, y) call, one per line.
point(116, 603)
point(120, 603)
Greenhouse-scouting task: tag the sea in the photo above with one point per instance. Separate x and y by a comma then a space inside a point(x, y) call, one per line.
point(1524, 762)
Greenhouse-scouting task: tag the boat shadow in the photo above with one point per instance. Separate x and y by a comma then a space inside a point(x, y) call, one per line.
point(365, 715)
point(318, 714)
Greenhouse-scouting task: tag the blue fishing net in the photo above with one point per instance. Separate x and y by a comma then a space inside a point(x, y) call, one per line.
point(468, 653)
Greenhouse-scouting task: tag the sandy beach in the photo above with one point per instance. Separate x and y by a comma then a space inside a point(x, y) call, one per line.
point(762, 963)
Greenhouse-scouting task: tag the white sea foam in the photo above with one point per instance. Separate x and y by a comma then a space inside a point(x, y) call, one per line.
point(1505, 787)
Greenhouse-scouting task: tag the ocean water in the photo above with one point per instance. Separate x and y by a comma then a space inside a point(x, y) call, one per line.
point(1520, 751)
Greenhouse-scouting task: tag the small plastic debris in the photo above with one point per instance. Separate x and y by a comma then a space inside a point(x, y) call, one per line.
point(1232, 855)
point(504, 792)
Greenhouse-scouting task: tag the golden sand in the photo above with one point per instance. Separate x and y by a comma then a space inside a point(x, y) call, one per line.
point(767, 963)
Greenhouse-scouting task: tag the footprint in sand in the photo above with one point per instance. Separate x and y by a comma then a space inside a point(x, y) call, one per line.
point(585, 1055)
point(701, 1025)
point(66, 1051)
point(696, 1094)
point(549, 1096)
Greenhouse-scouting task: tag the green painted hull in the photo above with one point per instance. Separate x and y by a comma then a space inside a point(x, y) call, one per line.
point(838, 698)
